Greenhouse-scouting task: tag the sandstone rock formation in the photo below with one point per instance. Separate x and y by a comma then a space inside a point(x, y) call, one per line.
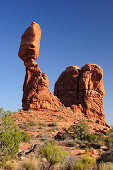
point(30, 43)
point(91, 91)
point(36, 94)
point(84, 88)
point(66, 88)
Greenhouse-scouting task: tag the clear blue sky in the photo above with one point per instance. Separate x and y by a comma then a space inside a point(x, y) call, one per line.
point(74, 32)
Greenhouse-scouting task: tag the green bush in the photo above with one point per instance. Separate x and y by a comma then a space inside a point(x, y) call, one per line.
point(84, 163)
point(53, 153)
point(63, 136)
point(96, 138)
point(25, 137)
point(109, 139)
point(80, 130)
point(10, 136)
point(86, 150)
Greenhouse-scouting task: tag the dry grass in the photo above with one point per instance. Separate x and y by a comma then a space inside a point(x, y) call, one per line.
point(28, 164)
point(11, 165)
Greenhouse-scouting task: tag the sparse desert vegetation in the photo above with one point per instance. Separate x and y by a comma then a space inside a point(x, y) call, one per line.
point(74, 148)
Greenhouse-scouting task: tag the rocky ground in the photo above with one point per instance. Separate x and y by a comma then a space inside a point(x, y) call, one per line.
point(43, 125)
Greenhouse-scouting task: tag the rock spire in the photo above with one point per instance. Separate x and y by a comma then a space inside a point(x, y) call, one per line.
point(36, 94)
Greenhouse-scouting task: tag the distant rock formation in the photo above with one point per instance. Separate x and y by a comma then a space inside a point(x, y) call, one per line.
point(36, 94)
point(83, 87)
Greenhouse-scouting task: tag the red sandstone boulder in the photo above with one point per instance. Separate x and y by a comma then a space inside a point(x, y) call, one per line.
point(30, 43)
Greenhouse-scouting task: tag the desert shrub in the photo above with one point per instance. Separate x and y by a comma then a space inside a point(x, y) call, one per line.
point(63, 136)
point(80, 130)
point(53, 153)
point(84, 163)
point(105, 166)
point(96, 138)
point(86, 150)
point(25, 137)
point(109, 139)
point(28, 164)
point(106, 157)
point(69, 162)
point(10, 136)
point(79, 165)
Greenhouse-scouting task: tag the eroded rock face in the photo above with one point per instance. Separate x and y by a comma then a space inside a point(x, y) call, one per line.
point(36, 94)
point(30, 43)
point(66, 88)
point(83, 88)
point(91, 91)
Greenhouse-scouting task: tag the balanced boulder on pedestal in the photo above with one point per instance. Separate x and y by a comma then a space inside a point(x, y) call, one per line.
point(36, 94)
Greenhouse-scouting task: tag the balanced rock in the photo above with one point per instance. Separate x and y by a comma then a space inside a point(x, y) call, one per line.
point(83, 88)
point(36, 94)
point(30, 43)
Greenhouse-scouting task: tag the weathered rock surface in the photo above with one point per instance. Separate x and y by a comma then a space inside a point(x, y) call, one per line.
point(83, 88)
point(66, 88)
point(36, 94)
point(30, 43)
point(91, 91)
